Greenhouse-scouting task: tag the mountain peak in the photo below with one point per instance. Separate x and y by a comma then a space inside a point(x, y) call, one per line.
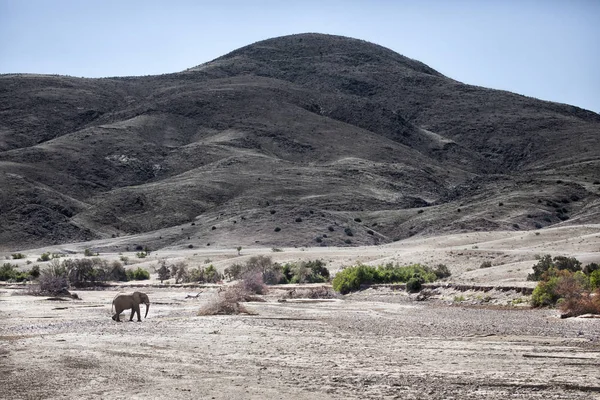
point(319, 48)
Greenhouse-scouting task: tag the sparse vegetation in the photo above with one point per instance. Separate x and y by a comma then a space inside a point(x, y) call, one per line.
point(274, 273)
point(18, 256)
point(486, 264)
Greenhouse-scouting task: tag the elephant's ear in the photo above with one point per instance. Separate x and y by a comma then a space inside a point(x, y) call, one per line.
point(136, 297)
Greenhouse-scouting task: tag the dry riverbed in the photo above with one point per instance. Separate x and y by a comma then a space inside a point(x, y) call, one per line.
point(375, 344)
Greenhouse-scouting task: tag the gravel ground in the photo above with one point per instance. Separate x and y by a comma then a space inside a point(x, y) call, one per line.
point(376, 344)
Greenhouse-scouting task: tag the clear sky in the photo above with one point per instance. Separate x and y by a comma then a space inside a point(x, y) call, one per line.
point(549, 49)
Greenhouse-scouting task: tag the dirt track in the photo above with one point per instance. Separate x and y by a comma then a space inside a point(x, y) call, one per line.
point(376, 344)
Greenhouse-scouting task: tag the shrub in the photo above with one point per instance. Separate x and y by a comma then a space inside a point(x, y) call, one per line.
point(88, 253)
point(179, 272)
point(226, 303)
point(572, 291)
point(348, 232)
point(357, 220)
point(141, 254)
point(590, 268)
point(414, 284)
point(277, 229)
point(442, 271)
point(35, 271)
point(18, 256)
point(486, 264)
point(138, 274)
point(252, 282)
point(234, 271)
point(9, 272)
point(595, 279)
point(117, 272)
point(44, 257)
point(53, 280)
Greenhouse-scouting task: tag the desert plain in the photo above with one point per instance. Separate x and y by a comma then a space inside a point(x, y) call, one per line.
point(377, 343)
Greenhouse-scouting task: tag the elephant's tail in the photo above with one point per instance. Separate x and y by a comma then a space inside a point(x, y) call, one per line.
point(112, 307)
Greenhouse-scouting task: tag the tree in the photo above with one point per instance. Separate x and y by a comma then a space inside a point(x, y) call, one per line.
point(163, 271)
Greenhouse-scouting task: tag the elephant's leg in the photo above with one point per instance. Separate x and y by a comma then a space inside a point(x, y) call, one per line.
point(132, 313)
point(117, 314)
point(137, 310)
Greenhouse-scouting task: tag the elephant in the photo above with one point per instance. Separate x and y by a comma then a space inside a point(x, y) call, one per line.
point(127, 301)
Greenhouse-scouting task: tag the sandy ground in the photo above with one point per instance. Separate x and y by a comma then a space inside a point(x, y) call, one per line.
point(374, 344)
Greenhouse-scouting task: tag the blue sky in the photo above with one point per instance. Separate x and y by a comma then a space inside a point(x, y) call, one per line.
point(547, 49)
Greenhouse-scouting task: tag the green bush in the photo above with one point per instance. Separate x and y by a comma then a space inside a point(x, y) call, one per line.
point(544, 293)
point(44, 257)
point(35, 271)
point(414, 284)
point(595, 279)
point(18, 256)
point(9, 272)
point(89, 253)
point(138, 274)
point(350, 279)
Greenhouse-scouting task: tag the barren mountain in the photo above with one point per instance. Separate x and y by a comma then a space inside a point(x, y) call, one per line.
point(299, 140)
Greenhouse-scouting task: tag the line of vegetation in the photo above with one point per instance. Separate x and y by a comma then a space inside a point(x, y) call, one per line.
point(565, 284)
point(351, 278)
point(183, 274)
point(273, 273)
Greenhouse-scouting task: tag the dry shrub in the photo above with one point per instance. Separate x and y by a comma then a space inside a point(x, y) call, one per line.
point(582, 303)
point(228, 302)
point(321, 292)
point(252, 282)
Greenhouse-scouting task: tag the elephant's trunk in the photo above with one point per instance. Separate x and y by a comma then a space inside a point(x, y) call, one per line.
point(147, 308)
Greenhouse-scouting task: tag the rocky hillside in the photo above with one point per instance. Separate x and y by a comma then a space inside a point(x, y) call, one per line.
point(300, 140)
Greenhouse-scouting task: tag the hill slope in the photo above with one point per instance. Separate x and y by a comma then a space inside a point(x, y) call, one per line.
point(341, 135)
